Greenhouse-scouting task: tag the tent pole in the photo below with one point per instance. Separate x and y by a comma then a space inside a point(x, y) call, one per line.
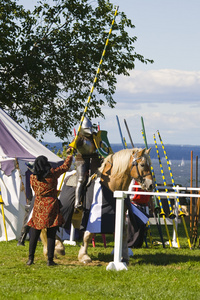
point(2, 209)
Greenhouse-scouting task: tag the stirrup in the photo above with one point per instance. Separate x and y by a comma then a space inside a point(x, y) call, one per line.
point(78, 208)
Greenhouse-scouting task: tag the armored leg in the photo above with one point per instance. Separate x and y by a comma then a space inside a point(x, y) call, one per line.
point(82, 168)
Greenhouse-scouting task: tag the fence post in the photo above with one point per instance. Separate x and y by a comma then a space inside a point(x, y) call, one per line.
point(119, 218)
point(71, 241)
point(174, 240)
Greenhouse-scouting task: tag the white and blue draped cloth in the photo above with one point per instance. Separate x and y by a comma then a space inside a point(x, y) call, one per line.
point(99, 209)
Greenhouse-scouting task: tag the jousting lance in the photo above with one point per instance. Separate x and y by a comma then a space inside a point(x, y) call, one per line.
point(129, 133)
point(120, 132)
point(196, 221)
point(156, 208)
point(162, 213)
point(73, 144)
point(181, 214)
point(171, 215)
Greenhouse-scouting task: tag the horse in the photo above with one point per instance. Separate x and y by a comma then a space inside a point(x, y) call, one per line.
point(116, 173)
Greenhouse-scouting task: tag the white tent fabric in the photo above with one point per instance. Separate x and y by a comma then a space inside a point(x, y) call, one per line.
point(25, 139)
point(11, 184)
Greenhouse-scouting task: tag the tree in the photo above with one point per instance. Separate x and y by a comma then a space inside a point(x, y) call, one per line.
point(49, 58)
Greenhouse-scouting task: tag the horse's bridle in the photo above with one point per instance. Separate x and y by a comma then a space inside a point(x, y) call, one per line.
point(134, 163)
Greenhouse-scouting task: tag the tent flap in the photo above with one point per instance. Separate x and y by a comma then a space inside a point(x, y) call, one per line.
point(7, 166)
point(10, 146)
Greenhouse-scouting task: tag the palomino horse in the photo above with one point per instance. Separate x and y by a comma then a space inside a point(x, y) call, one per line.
point(115, 173)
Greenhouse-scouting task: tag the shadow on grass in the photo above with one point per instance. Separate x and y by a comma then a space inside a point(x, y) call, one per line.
point(157, 259)
point(163, 259)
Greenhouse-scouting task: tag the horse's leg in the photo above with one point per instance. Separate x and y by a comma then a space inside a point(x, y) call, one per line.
point(59, 247)
point(82, 255)
point(125, 256)
point(43, 237)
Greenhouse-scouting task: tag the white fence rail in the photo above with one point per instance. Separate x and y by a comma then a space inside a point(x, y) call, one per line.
point(120, 196)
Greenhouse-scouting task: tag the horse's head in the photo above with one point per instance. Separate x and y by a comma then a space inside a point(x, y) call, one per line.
point(140, 168)
point(118, 169)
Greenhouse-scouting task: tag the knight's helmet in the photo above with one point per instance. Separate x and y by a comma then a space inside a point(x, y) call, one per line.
point(86, 128)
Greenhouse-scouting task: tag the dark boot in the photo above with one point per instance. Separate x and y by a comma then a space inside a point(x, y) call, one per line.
point(34, 235)
point(51, 234)
point(30, 262)
point(51, 263)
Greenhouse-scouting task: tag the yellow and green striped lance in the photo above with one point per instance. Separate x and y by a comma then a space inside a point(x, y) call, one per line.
point(171, 215)
point(181, 214)
point(73, 144)
point(162, 213)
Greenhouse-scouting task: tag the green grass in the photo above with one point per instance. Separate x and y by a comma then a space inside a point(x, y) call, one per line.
point(153, 273)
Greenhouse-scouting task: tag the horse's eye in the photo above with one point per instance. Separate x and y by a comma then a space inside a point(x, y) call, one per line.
point(142, 165)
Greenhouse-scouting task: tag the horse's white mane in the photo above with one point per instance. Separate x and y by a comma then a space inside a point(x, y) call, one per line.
point(119, 161)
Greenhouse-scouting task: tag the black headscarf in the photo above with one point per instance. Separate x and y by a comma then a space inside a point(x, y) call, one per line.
point(41, 167)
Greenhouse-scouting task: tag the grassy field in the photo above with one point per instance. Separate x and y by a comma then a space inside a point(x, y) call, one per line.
point(153, 273)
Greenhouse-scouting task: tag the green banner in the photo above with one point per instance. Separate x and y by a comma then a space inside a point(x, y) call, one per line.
point(102, 144)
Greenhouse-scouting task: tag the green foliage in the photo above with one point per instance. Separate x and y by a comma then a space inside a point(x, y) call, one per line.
point(49, 58)
point(63, 154)
point(153, 273)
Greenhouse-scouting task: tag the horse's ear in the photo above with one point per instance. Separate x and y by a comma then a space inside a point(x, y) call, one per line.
point(148, 150)
point(141, 152)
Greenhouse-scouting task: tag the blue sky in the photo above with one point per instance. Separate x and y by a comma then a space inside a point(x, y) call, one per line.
point(167, 93)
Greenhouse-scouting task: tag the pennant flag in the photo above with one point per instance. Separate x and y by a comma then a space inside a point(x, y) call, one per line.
point(102, 144)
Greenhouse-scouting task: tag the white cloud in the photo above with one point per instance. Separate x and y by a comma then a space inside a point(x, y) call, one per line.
point(166, 82)
point(176, 125)
point(168, 100)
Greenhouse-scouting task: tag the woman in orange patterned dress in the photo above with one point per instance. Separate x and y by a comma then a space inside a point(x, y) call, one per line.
point(46, 210)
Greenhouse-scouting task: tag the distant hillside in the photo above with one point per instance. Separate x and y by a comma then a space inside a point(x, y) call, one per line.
point(174, 152)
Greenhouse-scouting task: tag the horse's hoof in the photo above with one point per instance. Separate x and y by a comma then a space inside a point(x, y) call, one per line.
point(85, 259)
point(59, 252)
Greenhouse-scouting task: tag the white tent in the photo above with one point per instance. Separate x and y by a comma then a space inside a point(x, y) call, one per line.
point(17, 148)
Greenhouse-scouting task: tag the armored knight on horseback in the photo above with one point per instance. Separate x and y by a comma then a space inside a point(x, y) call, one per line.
point(87, 160)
